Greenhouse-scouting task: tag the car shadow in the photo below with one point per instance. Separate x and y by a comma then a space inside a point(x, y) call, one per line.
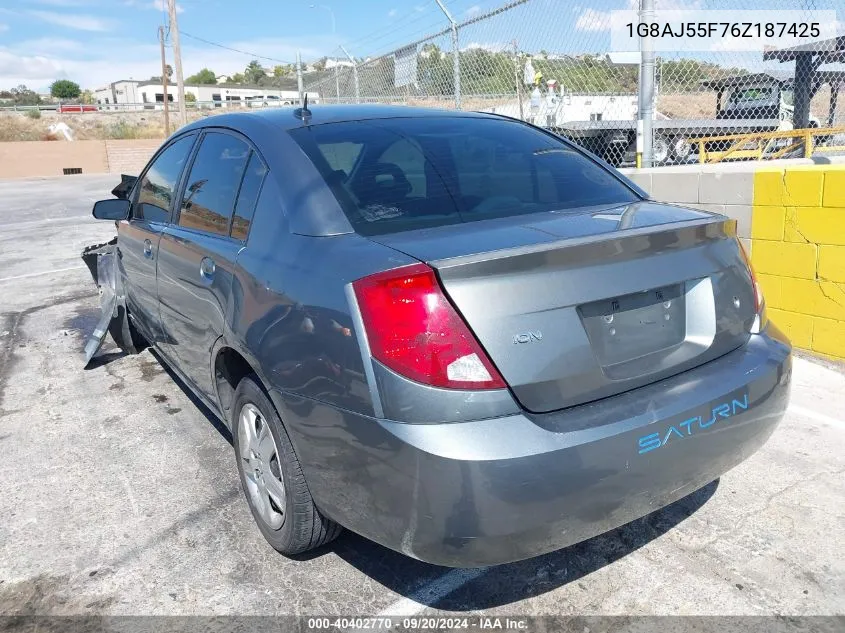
point(509, 583)
point(492, 586)
point(212, 418)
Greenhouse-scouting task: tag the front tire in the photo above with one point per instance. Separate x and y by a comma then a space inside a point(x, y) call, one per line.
point(124, 333)
point(271, 476)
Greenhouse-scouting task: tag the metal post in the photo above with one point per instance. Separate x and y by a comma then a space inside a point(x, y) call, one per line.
point(299, 85)
point(645, 98)
point(177, 60)
point(516, 73)
point(456, 53)
point(804, 72)
point(336, 83)
point(164, 83)
point(354, 74)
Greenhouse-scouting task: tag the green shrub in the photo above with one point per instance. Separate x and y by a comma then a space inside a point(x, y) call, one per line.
point(34, 114)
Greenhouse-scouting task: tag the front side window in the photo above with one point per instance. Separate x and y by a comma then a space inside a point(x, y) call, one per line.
point(433, 171)
point(209, 198)
point(158, 185)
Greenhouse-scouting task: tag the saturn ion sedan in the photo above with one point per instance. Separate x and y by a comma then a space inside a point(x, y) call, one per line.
point(456, 334)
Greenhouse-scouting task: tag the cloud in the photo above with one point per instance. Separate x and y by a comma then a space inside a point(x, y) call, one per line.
point(73, 21)
point(3, 27)
point(473, 10)
point(154, 5)
point(392, 13)
point(592, 20)
point(19, 69)
point(96, 61)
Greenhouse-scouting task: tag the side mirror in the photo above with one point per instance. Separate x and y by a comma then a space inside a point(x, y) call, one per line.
point(113, 209)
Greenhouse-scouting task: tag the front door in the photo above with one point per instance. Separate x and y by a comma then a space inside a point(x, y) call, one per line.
point(138, 237)
point(198, 250)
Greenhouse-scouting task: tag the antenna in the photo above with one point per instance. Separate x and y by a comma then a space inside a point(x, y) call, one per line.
point(303, 113)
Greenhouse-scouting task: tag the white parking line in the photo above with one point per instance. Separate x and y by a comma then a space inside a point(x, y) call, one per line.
point(819, 417)
point(43, 272)
point(431, 592)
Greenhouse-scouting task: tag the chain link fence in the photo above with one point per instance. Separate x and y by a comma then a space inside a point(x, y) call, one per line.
point(551, 63)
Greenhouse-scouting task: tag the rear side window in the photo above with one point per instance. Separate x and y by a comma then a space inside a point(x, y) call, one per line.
point(209, 198)
point(247, 197)
point(158, 185)
point(427, 172)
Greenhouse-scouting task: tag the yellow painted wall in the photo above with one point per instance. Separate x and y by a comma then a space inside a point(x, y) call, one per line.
point(798, 252)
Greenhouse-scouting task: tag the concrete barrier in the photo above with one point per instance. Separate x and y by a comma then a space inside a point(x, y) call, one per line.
point(29, 159)
point(791, 216)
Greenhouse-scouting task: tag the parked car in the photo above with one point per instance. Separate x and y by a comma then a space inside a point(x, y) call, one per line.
point(453, 333)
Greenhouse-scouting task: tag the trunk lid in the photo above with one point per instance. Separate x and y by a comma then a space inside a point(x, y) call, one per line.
point(578, 306)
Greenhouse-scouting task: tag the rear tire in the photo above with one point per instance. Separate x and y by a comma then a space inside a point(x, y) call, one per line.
point(272, 477)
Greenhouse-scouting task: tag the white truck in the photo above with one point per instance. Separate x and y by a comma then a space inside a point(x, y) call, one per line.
point(606, 124)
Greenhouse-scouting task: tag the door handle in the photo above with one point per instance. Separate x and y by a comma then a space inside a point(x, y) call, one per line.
point(148, 248)
point(207, 268)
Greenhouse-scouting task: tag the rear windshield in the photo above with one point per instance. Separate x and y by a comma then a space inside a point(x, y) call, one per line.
point(393, 175)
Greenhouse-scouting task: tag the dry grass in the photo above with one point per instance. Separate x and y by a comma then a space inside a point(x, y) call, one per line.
point(16, 126)
point(150, 124)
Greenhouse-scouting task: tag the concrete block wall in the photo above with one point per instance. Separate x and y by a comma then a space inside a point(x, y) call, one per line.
point(130, 156)
point(798, 237)
point(791, 217)
point(33, 159)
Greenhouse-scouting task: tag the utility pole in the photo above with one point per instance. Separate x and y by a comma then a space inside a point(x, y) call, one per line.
point(299, 83)
point(164, 83)
point(177, 60)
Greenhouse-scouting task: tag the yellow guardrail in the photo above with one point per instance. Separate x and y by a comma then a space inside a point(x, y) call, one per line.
point(764, 145)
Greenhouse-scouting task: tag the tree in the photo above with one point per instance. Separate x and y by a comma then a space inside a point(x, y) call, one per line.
point(320, 64)
point(282, 71)
point(237, 78)
point(168, 70)
point(24, 96)
point(205, 77)
point(190, 97)
point(87, 96)
point(254, 73)
point(65, 89)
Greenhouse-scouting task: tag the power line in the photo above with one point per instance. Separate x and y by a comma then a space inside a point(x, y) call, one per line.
point(235, 50)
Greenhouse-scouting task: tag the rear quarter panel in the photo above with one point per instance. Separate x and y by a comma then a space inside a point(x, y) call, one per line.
point(289, 312)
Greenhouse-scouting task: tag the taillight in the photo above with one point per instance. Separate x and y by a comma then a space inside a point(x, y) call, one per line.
point(758, 293)
point(414, 330)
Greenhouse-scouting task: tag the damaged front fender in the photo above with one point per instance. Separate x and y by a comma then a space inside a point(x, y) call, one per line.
point(101, 260)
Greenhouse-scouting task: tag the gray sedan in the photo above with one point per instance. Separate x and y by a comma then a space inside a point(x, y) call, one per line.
point(455, 334)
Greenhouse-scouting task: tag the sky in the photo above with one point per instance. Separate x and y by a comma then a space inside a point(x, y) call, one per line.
point(94, 42)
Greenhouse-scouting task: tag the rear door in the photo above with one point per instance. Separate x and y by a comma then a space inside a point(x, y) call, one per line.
point(198, 250)
point(138, 237)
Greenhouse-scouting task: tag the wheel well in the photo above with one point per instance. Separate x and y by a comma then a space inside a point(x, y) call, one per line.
point(229, 368)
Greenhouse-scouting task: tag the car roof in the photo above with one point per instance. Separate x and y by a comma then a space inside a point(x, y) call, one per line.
point(285, 117)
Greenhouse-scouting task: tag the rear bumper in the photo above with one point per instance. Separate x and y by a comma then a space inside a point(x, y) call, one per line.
point(504, 489)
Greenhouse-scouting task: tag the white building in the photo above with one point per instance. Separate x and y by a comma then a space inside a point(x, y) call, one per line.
point(150, 95)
